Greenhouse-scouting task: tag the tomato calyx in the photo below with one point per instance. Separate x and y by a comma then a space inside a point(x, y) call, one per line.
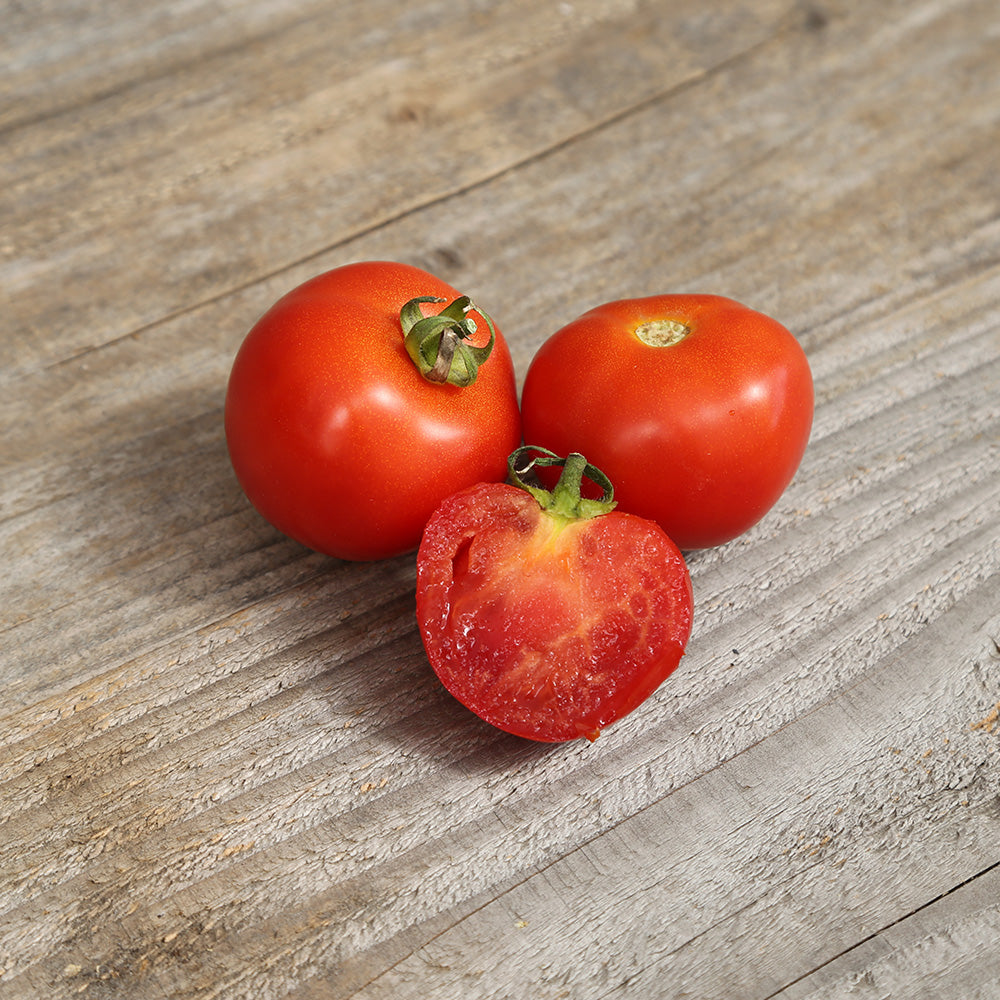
point(564, 500)
point(438, 345)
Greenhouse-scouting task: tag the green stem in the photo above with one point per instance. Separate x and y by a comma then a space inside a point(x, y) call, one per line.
point(438, 344)
point(564, 500)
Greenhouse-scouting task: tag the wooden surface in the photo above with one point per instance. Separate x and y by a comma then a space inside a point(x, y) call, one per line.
point(226, 769)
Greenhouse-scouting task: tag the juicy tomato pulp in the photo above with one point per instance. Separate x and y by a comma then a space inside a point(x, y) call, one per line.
point(549, 628)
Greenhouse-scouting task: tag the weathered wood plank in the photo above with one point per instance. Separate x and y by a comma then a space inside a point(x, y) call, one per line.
point(225, 767)
point(718, 716)
point(156, 416)
point(947, 948)
point(725, 887)
point(284, 129)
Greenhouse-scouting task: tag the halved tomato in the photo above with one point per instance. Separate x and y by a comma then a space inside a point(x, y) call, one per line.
point(547, 614)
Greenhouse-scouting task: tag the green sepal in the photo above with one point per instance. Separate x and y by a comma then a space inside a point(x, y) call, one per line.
point(437, 344)
point(564, 500)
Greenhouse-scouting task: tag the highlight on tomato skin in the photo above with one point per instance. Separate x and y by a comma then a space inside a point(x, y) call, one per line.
point(549, 625)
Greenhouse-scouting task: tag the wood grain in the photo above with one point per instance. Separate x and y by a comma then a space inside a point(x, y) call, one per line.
point(303, 126)
point(226, 769)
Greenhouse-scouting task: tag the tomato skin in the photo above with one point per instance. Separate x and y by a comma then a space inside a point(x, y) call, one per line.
point(702, 436)
point(334, 435)
point(546, 628)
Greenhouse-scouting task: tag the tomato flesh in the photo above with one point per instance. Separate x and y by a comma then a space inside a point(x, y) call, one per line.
point(545, 627)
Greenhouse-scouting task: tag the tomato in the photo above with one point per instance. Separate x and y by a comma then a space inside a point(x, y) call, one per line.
point(547, 614)
point(336, 436)
point(698, 408)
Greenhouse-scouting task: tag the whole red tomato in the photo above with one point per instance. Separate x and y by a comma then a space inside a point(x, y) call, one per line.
point(547, 614)
point(335, 435)
point(696, 407)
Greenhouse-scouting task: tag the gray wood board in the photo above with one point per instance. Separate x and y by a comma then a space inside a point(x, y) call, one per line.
point(226, 768)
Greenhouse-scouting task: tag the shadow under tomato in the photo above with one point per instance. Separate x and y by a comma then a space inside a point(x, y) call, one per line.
point(442, 732)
